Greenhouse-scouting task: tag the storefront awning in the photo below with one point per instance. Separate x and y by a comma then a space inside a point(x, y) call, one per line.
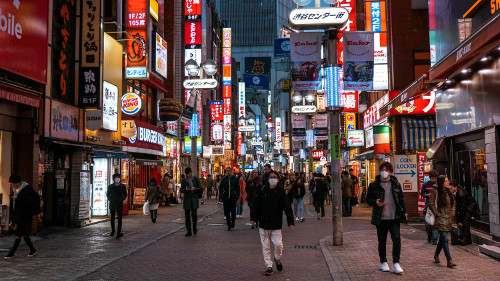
point(416, 89)
point(365, 156)
point(418, 133)
point(109, 154)
point(436, 148)
point(146, 162)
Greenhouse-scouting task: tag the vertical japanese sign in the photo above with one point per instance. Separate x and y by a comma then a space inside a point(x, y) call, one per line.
point(137, 47)
point(333, 87)
point(299, 127)
point(226, 85)
point(192, 31)
point(422, 159)
point(321, 127)
point(358, 61)
point(257, 125)
point(350, 5)
point(239, 141)
point(217, 118)
point(63, 50)
point(305, 52)
point(110, 107)
point(350, 101)
point(376, 21)
point(192, 10)
point(278, 129)
point(90, 70)
point(241, 99)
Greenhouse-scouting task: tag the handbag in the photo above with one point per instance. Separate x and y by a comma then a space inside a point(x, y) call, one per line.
point(145, 208)
point(159, 194)
point(429, 216)
point(13, 226)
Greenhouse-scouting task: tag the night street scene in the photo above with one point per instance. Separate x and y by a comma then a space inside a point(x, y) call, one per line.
point(249, 140)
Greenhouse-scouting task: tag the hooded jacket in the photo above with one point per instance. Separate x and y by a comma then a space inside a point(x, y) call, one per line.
point(268, 208)
point(229, 188)
point(376, 191)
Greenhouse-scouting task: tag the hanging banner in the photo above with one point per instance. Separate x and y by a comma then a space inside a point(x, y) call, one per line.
point(217, 132)
point(381, 139)
point(241, 99)
point(422, 161)
point(305, 51)
point(258, 65)
point(351, 101)
point(321, 127)
point(299, 127)
point(256, 81)
point(187, 113)
point(333, 86)
point(281, 47)
point(278, 129)
point(358, 61)
point(350, 6)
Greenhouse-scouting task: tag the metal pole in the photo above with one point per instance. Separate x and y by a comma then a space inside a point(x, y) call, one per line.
point(194, 144)
point(335, 164)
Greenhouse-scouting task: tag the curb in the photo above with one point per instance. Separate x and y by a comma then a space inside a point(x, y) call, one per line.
point(139, 247)
point(335, 267)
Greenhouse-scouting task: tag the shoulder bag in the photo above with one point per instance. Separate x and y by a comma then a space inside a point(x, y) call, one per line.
point(429, 216)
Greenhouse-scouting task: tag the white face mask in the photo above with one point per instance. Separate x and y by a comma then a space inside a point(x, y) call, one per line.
point(273, 182)
point(117, 180)
point(384, 174)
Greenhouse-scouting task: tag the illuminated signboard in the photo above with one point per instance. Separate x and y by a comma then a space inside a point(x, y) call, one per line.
point(136, 13)
point(355, 138)
point(136, 54)
point(131, 104)
point(161, 56)
point(110, 107)
point(193, 33)
point(333, 88)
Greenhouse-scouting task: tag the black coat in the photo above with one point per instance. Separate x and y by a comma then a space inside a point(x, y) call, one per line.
point(268, 208)
point(23, 206)
point(116, 195)
point(298, 191)
point(322, 188)
point(376, 191)
point(190, 200)
point(229, 188)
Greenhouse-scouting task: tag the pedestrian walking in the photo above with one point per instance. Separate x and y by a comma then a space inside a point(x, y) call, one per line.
point(268, 210)
point(229, 194)
point(167, 190)
point(442, 204)
point(425, 191)
point(210, 188)
point(355, 181)
point(319, 192)
point(190, 187)
point(242, 199)
point(254, 184)
point(389, 211)
point(116, 193)
point(347, 187)
point(267, 170)
point(25, 206)
point(204, 187)
point(217, 190)
point(298, 191)
point(466, 209)
point(153, 194)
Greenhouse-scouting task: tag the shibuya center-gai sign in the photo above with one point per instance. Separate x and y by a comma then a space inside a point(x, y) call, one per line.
point(319, 18)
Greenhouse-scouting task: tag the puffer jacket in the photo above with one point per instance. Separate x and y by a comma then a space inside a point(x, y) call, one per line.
point(443, 215)
point(269, 206)
point(376, 191)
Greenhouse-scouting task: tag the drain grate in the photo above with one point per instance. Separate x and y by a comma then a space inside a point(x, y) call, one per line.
point(304, 247)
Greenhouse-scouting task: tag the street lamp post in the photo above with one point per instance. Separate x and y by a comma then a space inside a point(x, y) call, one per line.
point(194, 70)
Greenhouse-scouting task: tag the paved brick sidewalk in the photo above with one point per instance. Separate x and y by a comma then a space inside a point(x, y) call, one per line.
point(358, 258)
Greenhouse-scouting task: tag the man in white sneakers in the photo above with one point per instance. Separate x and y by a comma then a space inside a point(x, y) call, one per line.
point(389, 211)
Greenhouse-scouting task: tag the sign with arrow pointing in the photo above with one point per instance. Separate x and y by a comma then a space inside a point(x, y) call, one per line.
point(405, 169)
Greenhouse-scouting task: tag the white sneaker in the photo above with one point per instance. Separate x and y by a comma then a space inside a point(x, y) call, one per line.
point(397, 268)
point(297, 218)
point(384, 267)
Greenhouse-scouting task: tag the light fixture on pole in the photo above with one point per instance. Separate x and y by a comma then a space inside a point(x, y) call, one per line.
point(192, 68)
point(297, 97)
point(209, 67)
point(310, 96)
point(302, 2)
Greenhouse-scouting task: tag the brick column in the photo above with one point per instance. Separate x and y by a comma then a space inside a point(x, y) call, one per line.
point(492, 170)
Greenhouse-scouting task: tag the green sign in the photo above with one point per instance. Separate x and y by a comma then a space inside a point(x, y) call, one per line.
point(310, 164)
point(335, 146)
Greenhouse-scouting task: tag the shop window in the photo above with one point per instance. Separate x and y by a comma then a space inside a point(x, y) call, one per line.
point(150, 109)
point(144, 112)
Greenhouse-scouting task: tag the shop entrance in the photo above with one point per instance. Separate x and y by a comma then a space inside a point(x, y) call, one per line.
point(472, 176)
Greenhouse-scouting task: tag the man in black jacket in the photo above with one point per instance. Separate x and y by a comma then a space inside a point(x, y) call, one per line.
point(268, 212)
point(389, 210)
point(230, 192)
point(116, 194)
point(463, 215)
point(22, 214)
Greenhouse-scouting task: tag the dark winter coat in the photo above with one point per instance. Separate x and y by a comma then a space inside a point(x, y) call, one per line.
point(321, 188)
point(268, 208)
point(252, 187)
point(190, 197)
point(229, 188)
point(444, 214)
point(116, 194)
point(298, 190)
point(23, 206)
point(376, 191)
point(152, 193)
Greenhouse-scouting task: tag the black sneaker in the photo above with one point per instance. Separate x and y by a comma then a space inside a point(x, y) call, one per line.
point(32, 253)
point(268, 271)
point(119, 235)
point(112, 233)
point(279, 265)
point(9, 256)
point(434, 242)
point(188, 234)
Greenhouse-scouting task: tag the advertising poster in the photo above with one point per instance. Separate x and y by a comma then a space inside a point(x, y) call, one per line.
point(358, 61)
point(321, 127)
point(299, 127)
point(258, 65)
point(139, 196)
point(355, 138)
point(256, 81)
point(100, 186)
point(161, 56)
point(305, 52)
point(281, 47)
point(84, 206)
point(406, 170)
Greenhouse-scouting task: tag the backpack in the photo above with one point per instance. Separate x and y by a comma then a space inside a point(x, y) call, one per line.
point(36, 210)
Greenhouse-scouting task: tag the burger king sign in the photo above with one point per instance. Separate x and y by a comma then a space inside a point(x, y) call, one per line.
point(131, 104)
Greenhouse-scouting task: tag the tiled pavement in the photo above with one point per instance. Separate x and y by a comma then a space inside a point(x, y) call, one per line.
point(161, 252)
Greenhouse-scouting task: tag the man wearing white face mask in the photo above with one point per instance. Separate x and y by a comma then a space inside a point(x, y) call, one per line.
point(389, 210)
point(267, 210)
point(116, 193)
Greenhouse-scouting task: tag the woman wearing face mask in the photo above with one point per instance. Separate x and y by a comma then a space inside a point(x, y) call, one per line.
point(116, 193)
point(442, 204)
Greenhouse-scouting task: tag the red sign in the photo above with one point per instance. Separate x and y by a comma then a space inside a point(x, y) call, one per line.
point(426, 104)
point(23, 33)
point(317, 154)
point(137, 48)
point(372, 114)
point(350, 5)
point(136, 13)
point(216, 111)
point(350, 101)
point(192, 7)
point(226, 91)
point(240, 140)
point(193, 33)
point(421, 162)
point(227, 106)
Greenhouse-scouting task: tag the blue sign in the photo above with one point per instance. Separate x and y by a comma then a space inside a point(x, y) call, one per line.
point(256, 81)
point(310, 138)
point(226, 83)
point(281, 47)
point(194, 126)
point(376, 16)
point(257, 125)
point(332, 87)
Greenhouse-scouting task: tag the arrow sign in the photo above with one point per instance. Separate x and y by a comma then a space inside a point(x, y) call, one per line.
point(412, 173)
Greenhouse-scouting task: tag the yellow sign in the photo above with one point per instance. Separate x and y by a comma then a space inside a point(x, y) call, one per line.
point(350, 121)
point(153, 9)
point(352, 154)
point(286, 84)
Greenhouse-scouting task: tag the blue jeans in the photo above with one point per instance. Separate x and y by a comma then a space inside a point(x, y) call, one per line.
point(239, 209)
point(298, 202)
point(443, 244)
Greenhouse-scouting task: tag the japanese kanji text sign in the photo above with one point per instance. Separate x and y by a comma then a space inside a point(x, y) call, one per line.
point(318, 18)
